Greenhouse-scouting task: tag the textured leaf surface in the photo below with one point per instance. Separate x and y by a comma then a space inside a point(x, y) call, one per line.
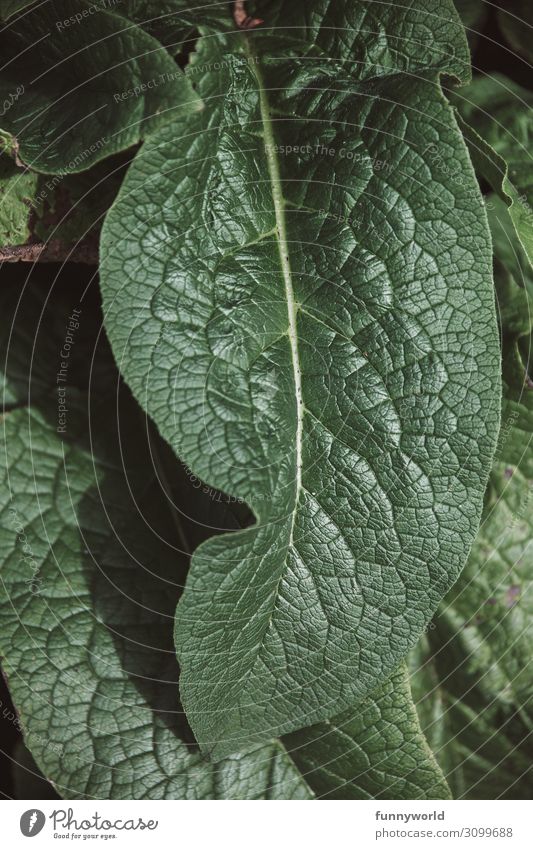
point(313, 332)
point(499, 131)
point(478, 714)
point(76, 91)
point(87, 604)
point(375, 752)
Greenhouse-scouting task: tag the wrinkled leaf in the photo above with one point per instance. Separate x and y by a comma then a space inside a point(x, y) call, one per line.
point(313, 332)
point(92, 670)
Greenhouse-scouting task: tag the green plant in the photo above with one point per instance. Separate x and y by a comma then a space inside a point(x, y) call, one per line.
point(273, 463)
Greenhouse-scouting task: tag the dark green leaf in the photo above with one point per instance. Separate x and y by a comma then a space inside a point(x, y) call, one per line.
point(79, 83)
point(303, 302)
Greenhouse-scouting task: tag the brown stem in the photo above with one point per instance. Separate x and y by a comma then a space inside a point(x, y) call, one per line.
point(52, 251)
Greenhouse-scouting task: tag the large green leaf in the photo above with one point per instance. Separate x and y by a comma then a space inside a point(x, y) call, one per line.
point(313, 331)
point(90, 575)
point(498, 127)
point(75, 91)
point(477, 708)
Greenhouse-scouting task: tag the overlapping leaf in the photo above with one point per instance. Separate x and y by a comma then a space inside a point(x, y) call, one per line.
point(301, 299)
point(79, 83)
point(90, 574)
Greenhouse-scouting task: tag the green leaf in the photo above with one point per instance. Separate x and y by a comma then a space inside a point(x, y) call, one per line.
point(17, 190)
point(497, 122)
point(313, 333)
point(87, 601)
point(375, 752)
point(58, 209)
point(516, 22)
point(79, 84)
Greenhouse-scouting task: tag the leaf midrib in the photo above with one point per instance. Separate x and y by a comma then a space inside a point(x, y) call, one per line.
point(283, 248)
